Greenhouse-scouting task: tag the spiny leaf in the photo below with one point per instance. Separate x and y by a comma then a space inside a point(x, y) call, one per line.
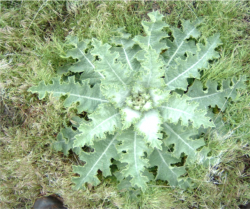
point(104, 119)
point(127, 50)
point(115, 73)
point(88, 98)
point(180, 45)
point(151, 72)
point(177, 108)
point(180, 137)
point(125, 183)
point(177, 77)
point(86, 62)
point(116, 96)
point(100, 159)
point(134, 146)
point(93, 77)
point(127, 56)
point(73, 40)
point(65, 140)
point(154, 33)
point(163, 160)
point(212, 96)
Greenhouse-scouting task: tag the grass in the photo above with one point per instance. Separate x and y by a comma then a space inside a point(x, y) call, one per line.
point(32, 47)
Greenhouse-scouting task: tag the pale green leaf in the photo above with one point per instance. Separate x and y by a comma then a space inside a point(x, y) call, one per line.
point(163, 160)
point(180, 137)
point(116, 96)
point(176, 77)
point(66, 137)
point(212, 96)
point(205, 160)
point(65, 140)
point(180, 45)
point(134, 147)
point(127, 57)
point(72, 40)
point(154, 33)
point(93, 77)
point(177, 108)
point(105, 119)
point(63, 69)
point(151, 72)
point(100, 159)
point(88, 98)
point(125, 183)
point(86, 62)
point(115, 72)
point(159, 96)
point(127, 50)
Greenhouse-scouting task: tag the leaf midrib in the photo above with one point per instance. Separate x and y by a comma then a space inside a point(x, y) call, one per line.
point(191, 66)
point(178, 136)
point(104, 153)
point(170, 60)
point(77, 95)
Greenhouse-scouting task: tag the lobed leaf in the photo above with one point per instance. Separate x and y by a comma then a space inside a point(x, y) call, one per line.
point(129, 116)
point(163, 160)
point(105, 120)
point(65, 140)
point(177, 108)
point(180, 137)
point(151, 71)
point(86, 62)
point(159, 96)
point(134, 147)
point(116, 96)
point(100, 159)
point(176, 77)
point(206, 160)
point(180, 45)
point(93, 77)
point(125, 183)
point(126, 49)
point(88, 98)
point(212, 96)
point(154, 33)
point(115, 73)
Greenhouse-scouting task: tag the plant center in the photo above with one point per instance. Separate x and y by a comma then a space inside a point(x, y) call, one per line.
point(140, 102)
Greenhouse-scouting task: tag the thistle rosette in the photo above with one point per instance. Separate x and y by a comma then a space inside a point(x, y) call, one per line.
point(142, 111)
